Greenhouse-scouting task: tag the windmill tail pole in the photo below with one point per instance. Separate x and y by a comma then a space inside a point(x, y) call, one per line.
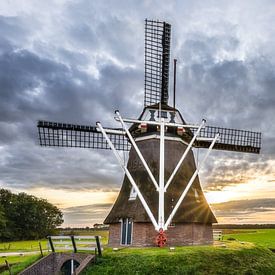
point(175, 80)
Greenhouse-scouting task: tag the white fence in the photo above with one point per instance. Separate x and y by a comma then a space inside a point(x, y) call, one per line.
point(75, 243)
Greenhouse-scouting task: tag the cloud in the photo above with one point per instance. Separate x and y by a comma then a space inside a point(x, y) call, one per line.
point(260, 205)
point(87, 214)
point(78, 61)
point(35, 88)
point(245, 211)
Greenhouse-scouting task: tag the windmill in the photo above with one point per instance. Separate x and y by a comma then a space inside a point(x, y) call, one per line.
point(161, 191)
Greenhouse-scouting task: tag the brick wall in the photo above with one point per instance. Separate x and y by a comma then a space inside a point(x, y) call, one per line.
point(52, 263)
point(144, 234)
point(114, 234)
point(44, 266)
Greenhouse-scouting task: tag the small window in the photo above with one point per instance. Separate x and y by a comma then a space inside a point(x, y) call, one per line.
point(197, 196)
point(126, 231)
point(133, 194)
point(163, 114)
point(196, 193)
point(172, 225)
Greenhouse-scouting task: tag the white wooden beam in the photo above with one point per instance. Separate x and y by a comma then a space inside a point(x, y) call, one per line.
point(128, 174)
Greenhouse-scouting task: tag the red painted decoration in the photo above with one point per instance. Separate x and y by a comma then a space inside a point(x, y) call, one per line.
point(161, 238)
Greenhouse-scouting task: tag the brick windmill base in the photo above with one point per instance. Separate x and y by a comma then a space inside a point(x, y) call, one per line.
point(128, 221)
point(180, 234)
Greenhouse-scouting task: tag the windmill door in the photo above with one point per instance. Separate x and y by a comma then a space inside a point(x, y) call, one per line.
point(126, 231)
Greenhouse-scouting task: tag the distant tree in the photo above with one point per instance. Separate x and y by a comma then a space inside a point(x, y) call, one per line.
point(28, 217)
point(6, 201)
point(3, 222)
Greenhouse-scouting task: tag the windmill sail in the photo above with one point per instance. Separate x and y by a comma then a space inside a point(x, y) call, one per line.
point(157, 56)
point(162, 143)
point(230, 139)
point(80, 136)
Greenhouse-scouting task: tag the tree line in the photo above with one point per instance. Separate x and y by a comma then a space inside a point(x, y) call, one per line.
point(24, 217)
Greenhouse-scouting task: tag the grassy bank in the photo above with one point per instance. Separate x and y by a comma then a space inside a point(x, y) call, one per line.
point(235, 258)
point(262, 237)
point(18, 263)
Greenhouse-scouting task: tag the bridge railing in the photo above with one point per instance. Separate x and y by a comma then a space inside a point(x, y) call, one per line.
point(75, 243)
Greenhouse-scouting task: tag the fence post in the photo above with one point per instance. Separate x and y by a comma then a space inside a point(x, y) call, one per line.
point(8, 266)
point(98, 246)
point(74, 245)
point(51, 243)
point(41, 251)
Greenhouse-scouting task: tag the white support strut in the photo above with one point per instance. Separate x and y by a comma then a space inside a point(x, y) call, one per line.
point(132, 181)
point(112, 131)
point(130, 120)
point(137, 150)
point(190, 184)
point(184, 155)
point(161, 176)
point(161, 187)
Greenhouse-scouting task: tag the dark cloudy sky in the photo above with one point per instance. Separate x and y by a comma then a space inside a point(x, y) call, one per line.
point(78, 61)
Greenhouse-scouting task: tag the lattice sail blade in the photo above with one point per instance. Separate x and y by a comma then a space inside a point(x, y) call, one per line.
point(230, 139)
point(157, 58)
point(80, 136)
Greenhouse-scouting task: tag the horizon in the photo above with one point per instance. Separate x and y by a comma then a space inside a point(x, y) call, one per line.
point(77, 62)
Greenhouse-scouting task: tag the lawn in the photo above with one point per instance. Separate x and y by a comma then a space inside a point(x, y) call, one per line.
point(249, 254)
point(18, 263)
point(263, 237)
point(233, 258)
point(23, 246)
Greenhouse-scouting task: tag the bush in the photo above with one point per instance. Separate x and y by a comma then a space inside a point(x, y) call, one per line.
point(231, 239)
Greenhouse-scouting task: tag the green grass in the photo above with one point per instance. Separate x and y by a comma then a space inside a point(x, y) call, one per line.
point(18, 263)
point(103, 233)
point(23, 246)
point(236, 258)
point(263, 237)
point(33, 245)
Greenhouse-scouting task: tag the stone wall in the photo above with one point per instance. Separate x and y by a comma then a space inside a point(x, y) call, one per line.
point(144, 234)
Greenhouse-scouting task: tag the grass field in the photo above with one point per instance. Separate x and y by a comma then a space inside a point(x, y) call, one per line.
point(33, 245)
point(249, 254)
point(18, 263)
point(23, 246)
point(263, 237)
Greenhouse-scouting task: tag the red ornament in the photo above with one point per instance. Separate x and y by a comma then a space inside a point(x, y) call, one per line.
point(161, 238)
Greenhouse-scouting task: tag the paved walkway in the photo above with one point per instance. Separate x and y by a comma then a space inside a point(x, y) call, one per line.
point(20, 253)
